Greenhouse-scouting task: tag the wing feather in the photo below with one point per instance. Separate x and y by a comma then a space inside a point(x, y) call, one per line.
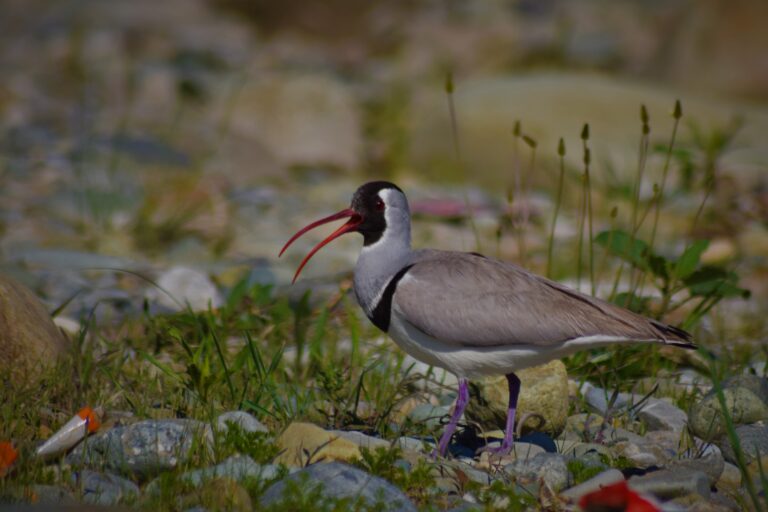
point(470, 300)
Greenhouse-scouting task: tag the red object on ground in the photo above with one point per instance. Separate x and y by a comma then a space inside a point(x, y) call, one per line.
point(616, 497)
point(8, 455)
point(92, 421)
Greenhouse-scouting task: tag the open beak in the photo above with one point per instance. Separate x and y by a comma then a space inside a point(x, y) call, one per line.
point(354, 221)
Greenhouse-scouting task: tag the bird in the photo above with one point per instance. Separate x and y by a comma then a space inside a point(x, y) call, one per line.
point(469, 314)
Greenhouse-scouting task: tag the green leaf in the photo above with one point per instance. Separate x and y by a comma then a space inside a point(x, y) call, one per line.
point(237, 293)
point(625, 246)
point(659, 265)
point(689, 260)
point(714, 281)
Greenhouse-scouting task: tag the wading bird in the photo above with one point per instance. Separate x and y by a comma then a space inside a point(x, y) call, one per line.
point(471, 315)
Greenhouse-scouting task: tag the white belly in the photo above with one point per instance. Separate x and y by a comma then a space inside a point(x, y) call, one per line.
point(474, 362)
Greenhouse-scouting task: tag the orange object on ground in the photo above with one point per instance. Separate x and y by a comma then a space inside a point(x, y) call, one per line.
point(8, 455)
point(72, 432)
point(91, 420)
point(616, 497)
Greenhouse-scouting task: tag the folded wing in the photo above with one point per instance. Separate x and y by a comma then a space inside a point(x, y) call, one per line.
point(470, 300)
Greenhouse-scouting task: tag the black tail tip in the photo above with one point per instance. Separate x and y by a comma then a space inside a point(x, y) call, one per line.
point(680, 337)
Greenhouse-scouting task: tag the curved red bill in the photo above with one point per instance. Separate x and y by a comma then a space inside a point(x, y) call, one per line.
point(350, 225)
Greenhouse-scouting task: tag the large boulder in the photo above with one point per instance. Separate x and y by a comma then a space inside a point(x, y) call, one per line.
point(29, 340)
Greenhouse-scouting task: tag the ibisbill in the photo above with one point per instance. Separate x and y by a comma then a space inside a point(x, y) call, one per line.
point(469, 314)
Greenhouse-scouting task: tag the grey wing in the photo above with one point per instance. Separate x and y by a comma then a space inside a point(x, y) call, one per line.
point(470, 300)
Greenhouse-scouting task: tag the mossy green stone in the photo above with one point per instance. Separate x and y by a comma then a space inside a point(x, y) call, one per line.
point(706, 418)
point(544, 391)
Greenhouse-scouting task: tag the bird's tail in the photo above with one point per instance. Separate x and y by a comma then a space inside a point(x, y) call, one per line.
point(674, 335)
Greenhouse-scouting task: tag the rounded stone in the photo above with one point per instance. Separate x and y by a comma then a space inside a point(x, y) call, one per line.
point(29, 339)
point(753, 440)
point(303, 443)
point(667, 484)
point(548, 467)
point(544, 392)
point(146, 448)
point(336, 480)
point(757, 385)
point(706, 419)
point(242, 419)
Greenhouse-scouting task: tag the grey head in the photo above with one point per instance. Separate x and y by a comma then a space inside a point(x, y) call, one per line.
point(379, 211)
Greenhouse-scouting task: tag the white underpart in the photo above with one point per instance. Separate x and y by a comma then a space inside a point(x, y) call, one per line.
point(474, 362)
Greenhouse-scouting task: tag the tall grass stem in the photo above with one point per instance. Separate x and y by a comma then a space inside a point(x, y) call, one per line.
point(449, 89)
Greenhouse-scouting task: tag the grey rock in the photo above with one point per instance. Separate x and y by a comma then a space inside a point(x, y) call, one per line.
point(711, 464)
point(105, 488)
point(519, 450)
point(657, 414)
point(452, 469)
point(599, 399)
point(428, 414)
point(661, 415)
point(706, 418)
point(242, 419)
point(549, 467)
point(753, 440)
point(414, 445)
point(608, 477)
point(523, 450)
point(340, 480)
point(730, 478)
point(581, 449)
point(667, 484)
point(642, 455)
point(614, 435)
point(144, 448)
point(181, 287)
point(362, 440)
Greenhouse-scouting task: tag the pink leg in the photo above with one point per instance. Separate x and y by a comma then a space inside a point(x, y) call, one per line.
point(461, 403)
point(514, 392)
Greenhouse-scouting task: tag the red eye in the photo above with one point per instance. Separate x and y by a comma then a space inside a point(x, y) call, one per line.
point(379, 204)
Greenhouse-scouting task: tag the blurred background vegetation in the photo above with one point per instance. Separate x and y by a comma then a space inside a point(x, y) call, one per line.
point(140, 135)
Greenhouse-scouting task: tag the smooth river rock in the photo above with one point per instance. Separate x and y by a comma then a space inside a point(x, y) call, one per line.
point(303, 443)
point(337, 481)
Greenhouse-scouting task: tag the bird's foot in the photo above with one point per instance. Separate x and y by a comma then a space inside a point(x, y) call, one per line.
point(503, 449)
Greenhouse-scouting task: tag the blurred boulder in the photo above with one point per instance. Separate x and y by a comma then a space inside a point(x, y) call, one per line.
point(301, 119)
point(29, 340)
